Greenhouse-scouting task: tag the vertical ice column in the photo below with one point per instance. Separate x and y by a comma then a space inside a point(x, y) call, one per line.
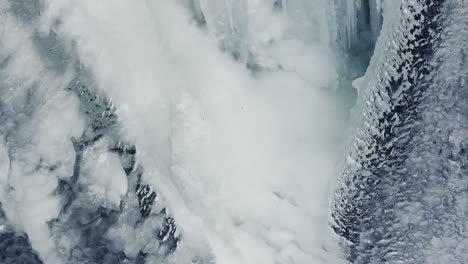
point(228, 21)
point(357, 17)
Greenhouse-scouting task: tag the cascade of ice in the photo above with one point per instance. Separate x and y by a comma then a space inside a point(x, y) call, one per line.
point(213, 131)
point(198, 130)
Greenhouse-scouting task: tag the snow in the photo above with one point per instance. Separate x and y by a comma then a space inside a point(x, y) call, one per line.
point(235, 118)
point(36, 148)
point(103, 175)
point(216, 140)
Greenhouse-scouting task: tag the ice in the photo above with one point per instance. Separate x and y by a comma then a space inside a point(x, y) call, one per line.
point(103, 174)
point(214, 140)
point(207, 131)
point(358, 83)
point(404, 153)
point(35, 153)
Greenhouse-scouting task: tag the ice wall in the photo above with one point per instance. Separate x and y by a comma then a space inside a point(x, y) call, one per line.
point(398, 202)
point(192, 132)
point(202, 131)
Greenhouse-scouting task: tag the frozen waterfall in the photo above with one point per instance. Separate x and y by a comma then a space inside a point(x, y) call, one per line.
point(233, 131)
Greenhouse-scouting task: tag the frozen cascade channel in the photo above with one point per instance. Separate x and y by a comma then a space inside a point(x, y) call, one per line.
point(233, 131)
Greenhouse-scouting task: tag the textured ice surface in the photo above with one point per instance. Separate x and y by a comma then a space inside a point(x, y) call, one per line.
point(211, 131)
point(403, 194)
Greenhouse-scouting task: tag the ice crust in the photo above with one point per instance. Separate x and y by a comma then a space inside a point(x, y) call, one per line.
point(399, 202)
